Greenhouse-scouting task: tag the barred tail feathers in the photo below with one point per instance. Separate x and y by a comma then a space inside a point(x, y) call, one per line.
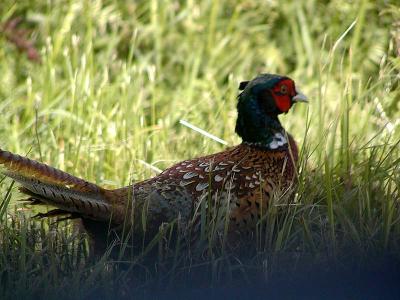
point(56, 187)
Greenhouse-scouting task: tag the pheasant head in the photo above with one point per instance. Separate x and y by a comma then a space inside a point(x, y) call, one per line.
point(260, 102)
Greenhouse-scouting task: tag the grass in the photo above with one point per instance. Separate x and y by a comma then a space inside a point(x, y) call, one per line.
point(106, 100)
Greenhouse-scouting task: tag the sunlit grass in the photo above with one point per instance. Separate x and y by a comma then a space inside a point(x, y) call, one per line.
point(106, 102)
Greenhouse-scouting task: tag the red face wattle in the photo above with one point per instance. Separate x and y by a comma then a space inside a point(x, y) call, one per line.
point(283, 92)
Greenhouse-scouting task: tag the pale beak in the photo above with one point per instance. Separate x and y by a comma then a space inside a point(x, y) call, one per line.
point(300, 97)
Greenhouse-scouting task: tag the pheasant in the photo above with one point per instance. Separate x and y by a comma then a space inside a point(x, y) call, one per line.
point(240, 181)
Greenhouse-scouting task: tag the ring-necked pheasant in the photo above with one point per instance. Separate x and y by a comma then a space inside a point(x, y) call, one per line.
point(240, 179)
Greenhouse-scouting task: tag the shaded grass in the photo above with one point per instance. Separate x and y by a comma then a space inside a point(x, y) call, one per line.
point(115, 80)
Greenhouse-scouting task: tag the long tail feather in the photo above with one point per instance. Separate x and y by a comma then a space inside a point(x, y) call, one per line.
point(56, 187)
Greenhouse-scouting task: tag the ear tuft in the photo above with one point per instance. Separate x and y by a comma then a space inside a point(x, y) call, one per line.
point(243, 85)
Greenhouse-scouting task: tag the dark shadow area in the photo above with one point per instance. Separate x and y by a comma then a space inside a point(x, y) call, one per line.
point(375, 279)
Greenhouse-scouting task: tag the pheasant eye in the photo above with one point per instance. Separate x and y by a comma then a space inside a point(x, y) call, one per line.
point(284, 89)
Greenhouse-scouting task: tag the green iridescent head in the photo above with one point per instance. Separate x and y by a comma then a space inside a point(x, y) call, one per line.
point(260, 102)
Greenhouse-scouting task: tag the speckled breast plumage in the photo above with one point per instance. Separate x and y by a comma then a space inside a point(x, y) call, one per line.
point(242, 178)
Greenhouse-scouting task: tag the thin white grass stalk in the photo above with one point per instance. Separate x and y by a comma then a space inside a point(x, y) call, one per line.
point(150, 166)
point(343, 35)
point(203, 132)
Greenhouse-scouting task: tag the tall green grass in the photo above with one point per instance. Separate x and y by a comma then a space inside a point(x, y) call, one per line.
point(105, 102)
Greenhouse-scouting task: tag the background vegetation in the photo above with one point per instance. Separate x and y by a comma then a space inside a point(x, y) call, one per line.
point(97, 88)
